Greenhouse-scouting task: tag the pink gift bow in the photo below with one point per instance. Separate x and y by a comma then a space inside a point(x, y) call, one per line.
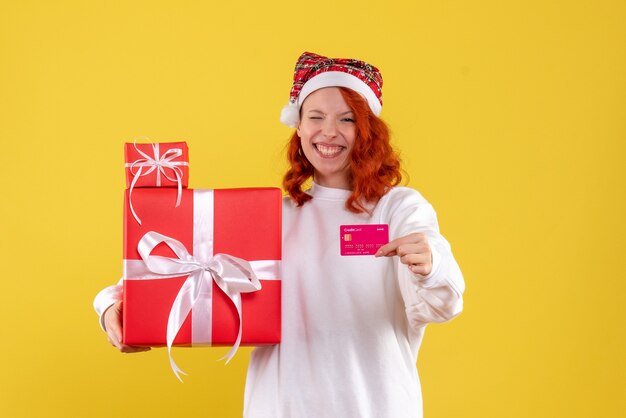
point(159, 163)
point(233, 275)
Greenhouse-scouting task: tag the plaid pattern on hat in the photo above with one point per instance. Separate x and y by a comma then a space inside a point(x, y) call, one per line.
point(309, 65)
point(315, 71)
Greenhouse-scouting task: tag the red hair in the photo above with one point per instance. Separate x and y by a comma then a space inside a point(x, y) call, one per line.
point(374, 165)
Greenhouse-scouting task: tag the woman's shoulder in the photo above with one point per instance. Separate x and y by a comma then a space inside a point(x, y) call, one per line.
point(401, 201)
point(288, 201)
point(289, 204)
point(403, 195)
point(404, 207)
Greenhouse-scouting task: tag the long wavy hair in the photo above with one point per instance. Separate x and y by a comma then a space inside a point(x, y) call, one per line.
point(374, 165)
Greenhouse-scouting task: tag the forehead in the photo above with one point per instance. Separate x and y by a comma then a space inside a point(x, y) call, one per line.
point(327, 99)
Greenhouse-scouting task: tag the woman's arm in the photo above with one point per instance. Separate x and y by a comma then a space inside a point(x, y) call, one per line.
point(108, 305)
point(429, 277)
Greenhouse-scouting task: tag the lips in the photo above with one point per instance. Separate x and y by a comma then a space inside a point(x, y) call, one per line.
point(328, 151)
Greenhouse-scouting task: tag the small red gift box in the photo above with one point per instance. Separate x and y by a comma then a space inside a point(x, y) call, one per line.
point(171, 261)
point(164, 164)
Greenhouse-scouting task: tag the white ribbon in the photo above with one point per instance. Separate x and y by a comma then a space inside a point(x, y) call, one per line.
point(158, 163)
point(233, 275)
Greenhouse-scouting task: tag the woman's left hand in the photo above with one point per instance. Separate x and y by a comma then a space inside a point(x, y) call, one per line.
point(413, 250)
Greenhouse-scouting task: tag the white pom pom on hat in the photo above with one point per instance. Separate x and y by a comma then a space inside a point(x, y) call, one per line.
point(314, 72)
point(290, 115)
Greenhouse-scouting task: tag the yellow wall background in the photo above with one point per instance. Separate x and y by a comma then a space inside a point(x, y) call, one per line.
point(511, 121)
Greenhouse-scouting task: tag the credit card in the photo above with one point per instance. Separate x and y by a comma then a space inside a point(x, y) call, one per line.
point(362, 239)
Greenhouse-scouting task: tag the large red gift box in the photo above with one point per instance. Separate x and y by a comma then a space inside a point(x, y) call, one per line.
point(159, 164)
point(243, 223)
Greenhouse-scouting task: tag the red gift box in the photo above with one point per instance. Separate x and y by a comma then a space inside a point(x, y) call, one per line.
point(243, 223)
point(164, 164)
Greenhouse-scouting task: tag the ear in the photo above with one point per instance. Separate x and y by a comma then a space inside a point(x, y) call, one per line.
point(298, 130)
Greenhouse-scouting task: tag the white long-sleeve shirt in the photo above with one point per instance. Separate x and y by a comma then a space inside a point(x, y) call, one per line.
point(351, 325)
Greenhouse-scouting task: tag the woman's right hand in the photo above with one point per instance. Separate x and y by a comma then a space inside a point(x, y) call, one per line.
point(113, 327)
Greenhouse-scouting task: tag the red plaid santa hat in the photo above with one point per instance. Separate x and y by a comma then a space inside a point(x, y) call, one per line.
point(314, 72)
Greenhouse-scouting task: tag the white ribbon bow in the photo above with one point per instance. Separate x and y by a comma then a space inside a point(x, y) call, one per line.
point(233, 275)
point(158, 163)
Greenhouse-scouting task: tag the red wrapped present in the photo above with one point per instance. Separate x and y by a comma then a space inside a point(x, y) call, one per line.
point(164, 164)
point(159, 164)
point(205, 272)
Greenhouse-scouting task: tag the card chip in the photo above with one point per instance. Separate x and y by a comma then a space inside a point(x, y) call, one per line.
point(347, 237)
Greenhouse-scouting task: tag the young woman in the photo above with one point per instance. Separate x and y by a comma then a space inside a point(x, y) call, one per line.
point(351, 325)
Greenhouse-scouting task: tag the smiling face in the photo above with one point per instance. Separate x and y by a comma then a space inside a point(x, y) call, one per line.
point(327, 132)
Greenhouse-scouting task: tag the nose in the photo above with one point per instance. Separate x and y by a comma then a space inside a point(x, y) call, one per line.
point(329, 128)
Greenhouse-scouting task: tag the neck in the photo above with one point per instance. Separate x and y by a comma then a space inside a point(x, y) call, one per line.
point(333, 182)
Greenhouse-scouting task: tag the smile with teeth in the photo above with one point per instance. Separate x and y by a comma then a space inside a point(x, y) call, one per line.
point(329, 151)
